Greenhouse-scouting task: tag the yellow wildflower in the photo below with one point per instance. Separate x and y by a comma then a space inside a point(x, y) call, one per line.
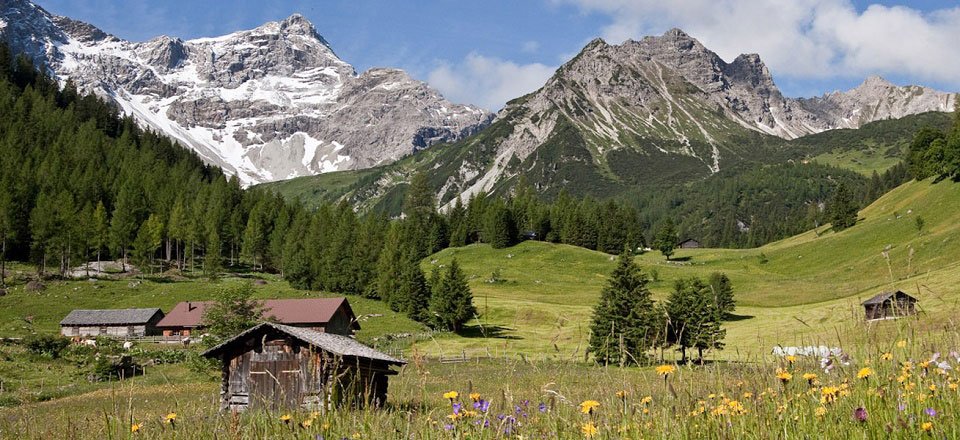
point(587, 406)
point(451, 395)
point(820, 411)
point(784, 375)
point(736, 408)
point(666, 370)
point(829, 394)
point(791, 358)
point(589, 429)
point(932, 388)
point(134, 428)
point(170, 418)
point(901, 343)
point(306, 423)
point(886, 356)
point(953, 386)
point(747, 395)
point(864, 373)
point(811, 378)
point(926, 426)
point(646, 400)
point(475, 396)
point(622, 394)
point(285, 418)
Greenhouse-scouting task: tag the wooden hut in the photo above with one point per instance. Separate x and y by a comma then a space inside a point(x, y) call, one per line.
point(328, 315)
point(273, 366)
point(689, 244)
point(117, 323)
point(889, 305)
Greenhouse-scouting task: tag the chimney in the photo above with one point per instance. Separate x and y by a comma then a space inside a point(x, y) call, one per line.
point(189, 306)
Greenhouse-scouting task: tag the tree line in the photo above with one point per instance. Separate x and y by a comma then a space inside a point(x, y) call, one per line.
point(936, 153)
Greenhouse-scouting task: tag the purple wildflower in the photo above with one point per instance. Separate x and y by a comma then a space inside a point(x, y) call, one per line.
point(447, 427)
point(481, 405)
point(930, 412)
point(860, 414)
point(902, 407)
point(457, 407)
point(542, 407)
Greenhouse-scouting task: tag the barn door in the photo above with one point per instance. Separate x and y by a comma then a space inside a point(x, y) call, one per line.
point(275, 377)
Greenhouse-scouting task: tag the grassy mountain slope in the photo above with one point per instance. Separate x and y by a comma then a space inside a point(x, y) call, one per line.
point(805, 289)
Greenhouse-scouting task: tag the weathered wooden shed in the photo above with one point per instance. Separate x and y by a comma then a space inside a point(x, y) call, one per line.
point(115, 323)
point(889, 305)
point(273, 366)
point(689, 244)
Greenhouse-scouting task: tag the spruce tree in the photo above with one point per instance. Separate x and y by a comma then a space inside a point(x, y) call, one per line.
point(843, 209)
point(499, 229)
point(149, 238)
point(694, 320)
point(722, 290)
point(451, 305)
point(7, 229)
point(624, 322)
point(101, 232)
point(413, 293)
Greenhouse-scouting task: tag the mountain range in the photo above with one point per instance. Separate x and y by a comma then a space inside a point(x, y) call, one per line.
point(276, 103)
point(265, 104)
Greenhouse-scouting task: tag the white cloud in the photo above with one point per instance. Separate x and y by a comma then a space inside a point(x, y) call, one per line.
point(530, 46)
point(803, 39)
point(487, 81)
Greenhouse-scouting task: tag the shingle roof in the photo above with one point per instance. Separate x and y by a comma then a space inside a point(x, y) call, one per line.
point(110, 317)
point(286, 311)
point(880, 298)
point(336, 344)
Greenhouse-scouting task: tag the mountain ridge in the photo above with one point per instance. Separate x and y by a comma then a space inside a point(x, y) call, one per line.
point(265, 104)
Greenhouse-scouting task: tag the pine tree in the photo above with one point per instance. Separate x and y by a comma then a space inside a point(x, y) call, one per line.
point(451, 305)
point(499, 229)
point(722, 290)
point(413, 294)
point(843, 209)
point(694, 320)
point(624, 322)
point(666, 239)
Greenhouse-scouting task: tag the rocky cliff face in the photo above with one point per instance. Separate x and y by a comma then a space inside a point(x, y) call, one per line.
point(266, 104)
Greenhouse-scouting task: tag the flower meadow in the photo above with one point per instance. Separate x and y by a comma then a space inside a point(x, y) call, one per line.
point(900, 389)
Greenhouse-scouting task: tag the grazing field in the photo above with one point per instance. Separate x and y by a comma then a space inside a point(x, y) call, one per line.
point(900, 386)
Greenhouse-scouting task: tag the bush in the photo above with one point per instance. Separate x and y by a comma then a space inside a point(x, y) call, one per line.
point(106, 368)
point(46, 345)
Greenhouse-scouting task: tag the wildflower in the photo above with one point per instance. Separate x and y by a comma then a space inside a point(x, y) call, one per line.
point(747, 395)
point(666, 370)
point(285, 418)
point(953, 386)
point(791, 359)
point(447, 427)
point(475, 396)
point(622, 394)
point(784, 375)
point(646, 400)
point(864, 373)
point(589, 429)
point(829, 394)
point(542, 407)
point(171, 419)
point(901, 343)
point(306, 423)
point(811, 378)
point(932, 388)
point(451, 395)
point(886, 356)
point(820, 411)
point(135, 428)
point(860, 414)
point(481, 405)
point(736, 408)
point(457, 407)
point(588, 406)
point(930, 412)
point(926, 426)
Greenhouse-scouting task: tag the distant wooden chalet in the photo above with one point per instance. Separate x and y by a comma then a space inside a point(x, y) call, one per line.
point(273, 366)
point(116, 323)
point(889, 305)
point(329, 315)
point(689, 244)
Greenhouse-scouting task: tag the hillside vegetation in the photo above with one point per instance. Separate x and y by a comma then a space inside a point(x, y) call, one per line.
point(802, 290)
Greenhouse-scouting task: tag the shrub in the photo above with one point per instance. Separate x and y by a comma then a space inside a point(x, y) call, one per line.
point(46, 345)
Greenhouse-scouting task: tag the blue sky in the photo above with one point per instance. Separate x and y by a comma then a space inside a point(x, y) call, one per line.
point(488, 52)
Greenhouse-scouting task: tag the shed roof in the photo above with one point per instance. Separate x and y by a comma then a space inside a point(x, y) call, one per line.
point(286, 311)
point(110, 317)
point(880, 298)
point(329, 342)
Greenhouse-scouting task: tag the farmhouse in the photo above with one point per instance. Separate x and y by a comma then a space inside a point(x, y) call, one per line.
point(273, 366)
point(889, 305)
point(329, 315)
point(116, 323)
point(689, 244)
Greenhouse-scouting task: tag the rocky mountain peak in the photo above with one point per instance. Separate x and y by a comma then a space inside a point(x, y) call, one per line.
point(82, 31)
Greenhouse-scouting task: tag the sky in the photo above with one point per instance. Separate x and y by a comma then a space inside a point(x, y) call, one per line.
point(486, 53)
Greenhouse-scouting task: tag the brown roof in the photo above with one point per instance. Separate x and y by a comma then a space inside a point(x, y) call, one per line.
point(879, 299)
point(284, 311)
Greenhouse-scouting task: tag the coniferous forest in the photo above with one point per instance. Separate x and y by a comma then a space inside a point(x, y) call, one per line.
point(83, 183)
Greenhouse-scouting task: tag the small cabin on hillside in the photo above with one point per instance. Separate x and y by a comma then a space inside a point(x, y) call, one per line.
point(689, 244)
point(118, 323)
point(889, 305)
point(328, 315)
point(273, 366)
